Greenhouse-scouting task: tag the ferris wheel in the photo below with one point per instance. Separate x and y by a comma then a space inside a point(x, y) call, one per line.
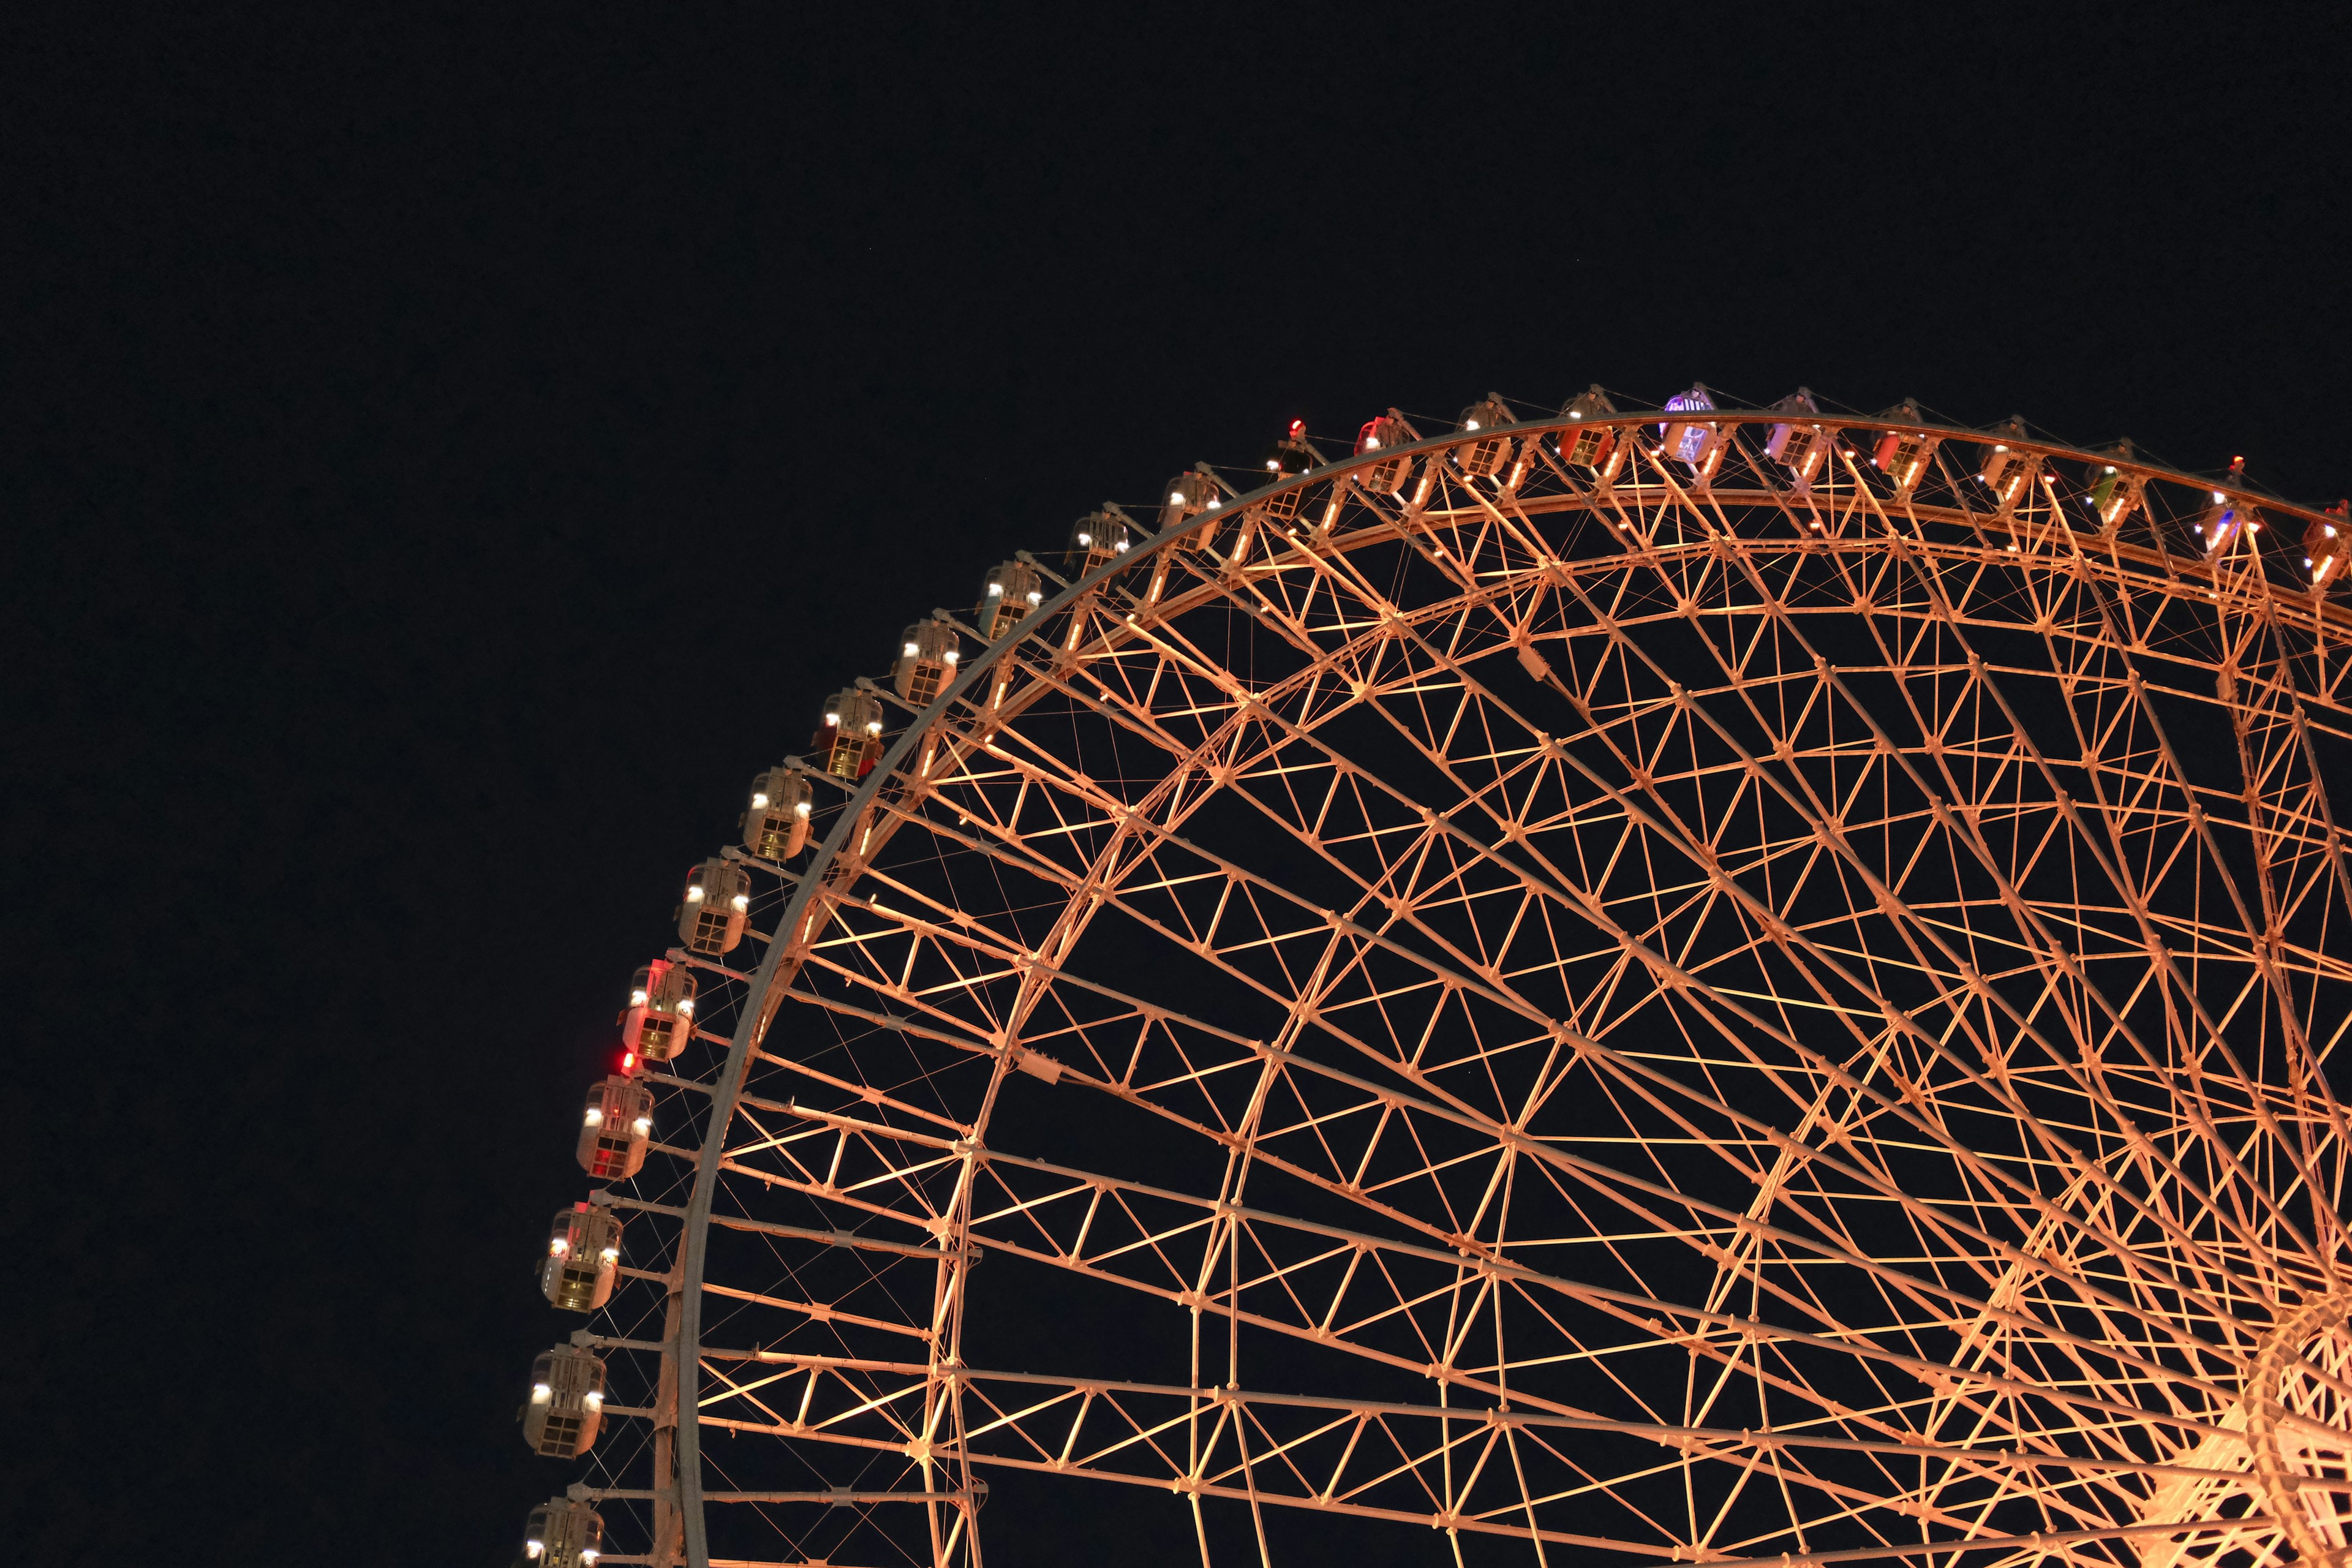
point(1694, 984)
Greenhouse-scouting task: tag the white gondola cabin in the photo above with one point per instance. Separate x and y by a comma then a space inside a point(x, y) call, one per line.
point(776, 823)
point(659, 1018)
point(1487, 454)
point(1797, 440)
point(717, 906)
point(1012, 591)
point(1190, 494)
point(1101, 536)
point(1593, 447)
point(1287, 459)
point(563, 1534)
point(565, 1407)
point(927, 658)
point(1387, 477)
point(615, 1128)
point(848, 739)
point(583, 1253)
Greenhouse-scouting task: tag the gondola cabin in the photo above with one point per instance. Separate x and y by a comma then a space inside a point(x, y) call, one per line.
point(1287, 459)
point(1902, 457)
point(716, 906)
point(2226, 521)
point(2009, 473)
point(849, 736)
point(659, 1018)
point(1487, 454)
point(615, 1128)
point(1699, 444)
point(563, 1534)
point(584, 1254)
point(776, 823)
point(1012, 591)
point(1593, 446)
point(1101, 537)
point(2324, 545)
point(1388, 476)
point(565, 1407)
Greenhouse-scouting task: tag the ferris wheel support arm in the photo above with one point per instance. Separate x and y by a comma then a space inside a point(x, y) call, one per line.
point(1963, 826)
point(766, 995)
point(1465, 979)
point(1955, 1300)
point(972, 715)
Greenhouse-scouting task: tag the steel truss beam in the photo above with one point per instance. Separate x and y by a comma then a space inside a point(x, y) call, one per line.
point(1723, 945)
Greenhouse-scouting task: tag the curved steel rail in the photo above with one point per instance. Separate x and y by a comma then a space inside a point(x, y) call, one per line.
point(834, 866)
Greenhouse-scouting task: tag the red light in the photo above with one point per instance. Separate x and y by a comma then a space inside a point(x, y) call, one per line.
point(628, 1061)
point(1297, 428)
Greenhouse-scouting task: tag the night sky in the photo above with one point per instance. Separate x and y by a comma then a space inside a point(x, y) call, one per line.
point(447, 458)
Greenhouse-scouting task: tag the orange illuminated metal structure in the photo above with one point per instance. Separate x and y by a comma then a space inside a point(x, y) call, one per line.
point(1783, 1022)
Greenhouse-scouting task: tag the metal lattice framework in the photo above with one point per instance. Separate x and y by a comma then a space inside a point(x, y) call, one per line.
point(1651, 1013)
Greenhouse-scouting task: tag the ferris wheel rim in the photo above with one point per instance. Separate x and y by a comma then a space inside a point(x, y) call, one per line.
point(765, 996)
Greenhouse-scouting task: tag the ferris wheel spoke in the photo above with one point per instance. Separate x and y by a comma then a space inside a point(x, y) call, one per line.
point(2027, 920)
point(2194, 828)
point(1091, 1183)
point(2298, 851)
point(1672, 1013)
point(1262, 1146)
point(1365, 1457)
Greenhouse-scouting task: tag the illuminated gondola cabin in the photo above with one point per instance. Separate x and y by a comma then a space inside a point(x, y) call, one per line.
point(565, 1407)
point(2323, 544)
point(1190, 494)
point(1700, 443)
point(1101, 536)
point(1012, 591)
point(659, 1018)
point(2227, 521)
point(2009, 470)
point(615, 1127)
point(1593, 447)
point(1797, 441)
point(1387, 477)
point(1287, 459)
point(717, 906)
point(584, 1254)
point(848, 738)
point(776, 823)
point(563, 1534)
point(927, 657)
point(2115, 489)
point(1488, 453)
point(1903, 455)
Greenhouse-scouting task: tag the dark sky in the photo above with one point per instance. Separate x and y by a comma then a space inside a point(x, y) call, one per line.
point(447, 458)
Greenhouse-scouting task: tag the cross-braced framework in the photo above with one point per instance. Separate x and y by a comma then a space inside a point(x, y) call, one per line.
point(1644, 1010)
